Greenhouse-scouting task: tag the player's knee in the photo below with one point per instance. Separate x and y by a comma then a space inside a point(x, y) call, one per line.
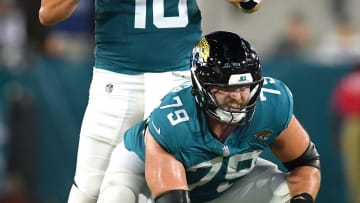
point(78, 196)
point(280, 188)
point(89, 182)
point(122, 187)
point(114, 193)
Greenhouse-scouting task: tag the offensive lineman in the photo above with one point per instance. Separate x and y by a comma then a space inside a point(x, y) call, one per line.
point(202, 144)
point(120, 93)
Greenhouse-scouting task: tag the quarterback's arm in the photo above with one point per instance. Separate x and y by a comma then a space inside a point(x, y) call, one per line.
point(164, 174)
point(293, 147)
point(55, 11)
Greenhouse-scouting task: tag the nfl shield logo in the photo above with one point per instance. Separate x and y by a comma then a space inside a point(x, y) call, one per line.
point(109, 88)
point(225, 151)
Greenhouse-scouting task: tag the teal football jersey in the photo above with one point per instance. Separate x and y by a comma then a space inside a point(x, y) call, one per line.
point(137, 36)
point(212, 166)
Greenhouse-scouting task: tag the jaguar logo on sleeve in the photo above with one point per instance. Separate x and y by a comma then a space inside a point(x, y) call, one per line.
point(263, 135)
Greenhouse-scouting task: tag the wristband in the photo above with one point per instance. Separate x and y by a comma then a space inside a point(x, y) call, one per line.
point(302, 198)
point(173, 196)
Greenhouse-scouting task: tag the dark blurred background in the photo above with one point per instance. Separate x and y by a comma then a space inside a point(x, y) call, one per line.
point(45, 74)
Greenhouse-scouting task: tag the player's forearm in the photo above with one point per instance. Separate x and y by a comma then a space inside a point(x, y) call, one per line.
point(304, 179)
point(55, 11)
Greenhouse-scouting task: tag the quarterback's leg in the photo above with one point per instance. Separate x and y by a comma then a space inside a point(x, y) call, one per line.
point(264, 184)
point(89, 170)
point(158, 85)
point(115, 103)
point(124, 179)
point(113, 189)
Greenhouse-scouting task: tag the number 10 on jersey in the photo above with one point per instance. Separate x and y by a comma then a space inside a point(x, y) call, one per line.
point(159, 19)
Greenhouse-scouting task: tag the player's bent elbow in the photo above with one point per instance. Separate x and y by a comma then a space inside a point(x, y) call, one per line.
point(48, 20)
point(52, 15)
point(310, 157)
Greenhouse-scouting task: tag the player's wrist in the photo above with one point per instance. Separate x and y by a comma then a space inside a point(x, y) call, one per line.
point(302, 198)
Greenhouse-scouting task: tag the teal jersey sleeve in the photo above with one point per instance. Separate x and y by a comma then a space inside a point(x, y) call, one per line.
point(136, 36)
point(273, 112)
point(182, 130)
point(172, 123)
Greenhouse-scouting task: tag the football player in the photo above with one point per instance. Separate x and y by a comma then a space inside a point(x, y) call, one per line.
point(120, 93)
point(202, 144)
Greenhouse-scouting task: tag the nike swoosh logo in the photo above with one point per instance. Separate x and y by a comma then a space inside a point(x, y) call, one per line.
point(156, 128)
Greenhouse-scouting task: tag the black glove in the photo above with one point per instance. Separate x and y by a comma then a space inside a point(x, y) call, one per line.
point(302, 198)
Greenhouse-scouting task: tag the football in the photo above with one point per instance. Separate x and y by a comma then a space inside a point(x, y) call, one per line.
point(247, 6)
point(250, 6)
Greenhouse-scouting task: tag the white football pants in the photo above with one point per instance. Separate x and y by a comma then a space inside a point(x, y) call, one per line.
point(116, 102)
point(125, 182)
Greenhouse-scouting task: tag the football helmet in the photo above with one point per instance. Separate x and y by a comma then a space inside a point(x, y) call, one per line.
point(225, 59)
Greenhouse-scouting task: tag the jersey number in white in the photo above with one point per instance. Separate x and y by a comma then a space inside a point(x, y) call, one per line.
point(177, 116)
point(268, 80)
point(159, 19)
point(232, 171)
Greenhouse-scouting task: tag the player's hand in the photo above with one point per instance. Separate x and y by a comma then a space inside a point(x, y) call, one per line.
point(248, 6)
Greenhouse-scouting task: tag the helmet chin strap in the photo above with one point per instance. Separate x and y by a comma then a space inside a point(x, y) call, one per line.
point(227, 117)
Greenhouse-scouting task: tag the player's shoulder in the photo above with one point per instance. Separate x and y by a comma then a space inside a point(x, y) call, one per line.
point(178, 98)
point(275, 106)
point(176, 106)
point(175, 118)
point(276, 84)
point(275, 92)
